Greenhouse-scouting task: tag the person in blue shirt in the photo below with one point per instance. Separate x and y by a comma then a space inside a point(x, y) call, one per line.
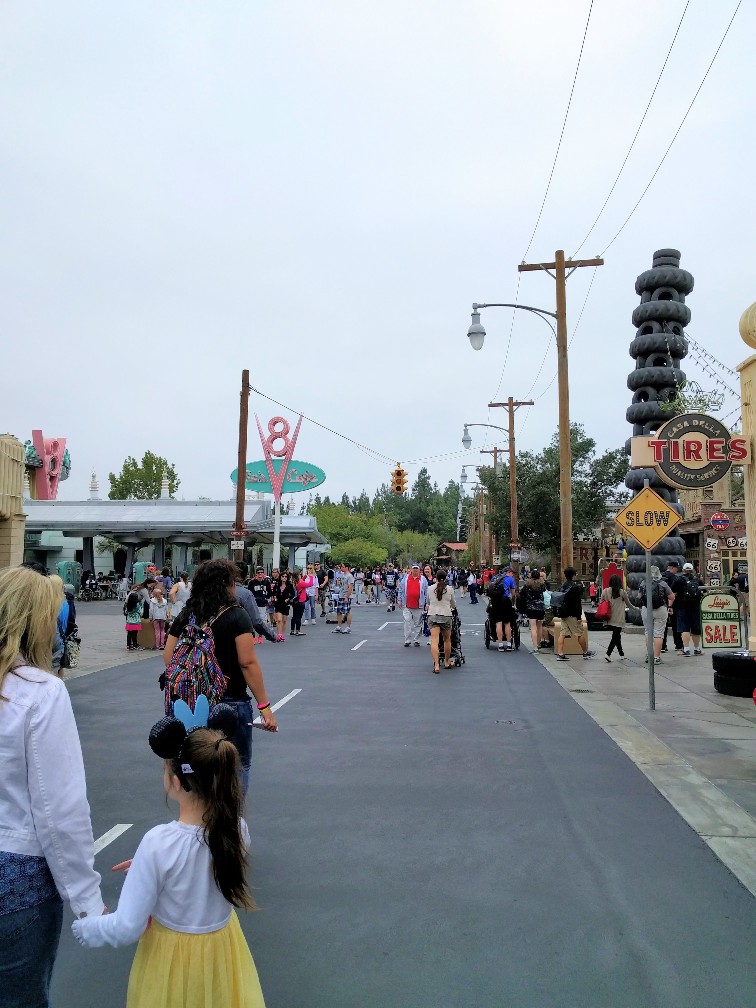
point(508, 582)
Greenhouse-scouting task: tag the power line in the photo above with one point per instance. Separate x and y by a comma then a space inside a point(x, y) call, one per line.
point(509, 340)
point(561, 135)
point(677, 131)
point(637, 132)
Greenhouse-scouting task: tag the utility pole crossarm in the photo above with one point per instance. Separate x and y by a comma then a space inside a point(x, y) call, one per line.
point(569, 264)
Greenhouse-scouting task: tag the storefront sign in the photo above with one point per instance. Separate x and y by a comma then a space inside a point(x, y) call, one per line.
point(299, 476)
point(720, 620)
point(648, 518)
point(690, 451)
point(720, 521)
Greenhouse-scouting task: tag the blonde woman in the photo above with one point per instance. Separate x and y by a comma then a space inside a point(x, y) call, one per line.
point(46, 845)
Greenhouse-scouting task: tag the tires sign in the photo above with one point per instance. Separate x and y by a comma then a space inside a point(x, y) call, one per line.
point(720, 521)
point(720, 621)
point(690, 451)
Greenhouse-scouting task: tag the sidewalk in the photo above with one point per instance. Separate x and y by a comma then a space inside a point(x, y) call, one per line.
point(103, 639)
point(698, 747)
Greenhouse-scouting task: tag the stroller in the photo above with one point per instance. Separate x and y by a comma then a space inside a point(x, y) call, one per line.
point(490, 632)
point(455, 655)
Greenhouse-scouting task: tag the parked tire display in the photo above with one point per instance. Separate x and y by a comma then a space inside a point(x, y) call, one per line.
point(734, 673)
point(664, 275)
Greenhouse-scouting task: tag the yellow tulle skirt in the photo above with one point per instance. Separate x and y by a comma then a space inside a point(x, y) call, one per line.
point(176, 970)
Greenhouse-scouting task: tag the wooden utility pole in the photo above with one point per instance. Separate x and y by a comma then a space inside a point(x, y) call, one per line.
point(491, 538)
point(240, 529)
point(514, 532)
point(562, 270)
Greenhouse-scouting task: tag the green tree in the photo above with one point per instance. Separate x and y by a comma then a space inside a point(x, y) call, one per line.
point(143, 481)
point(595, 481)
point(359, 553)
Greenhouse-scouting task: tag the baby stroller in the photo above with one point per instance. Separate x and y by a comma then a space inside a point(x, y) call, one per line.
point(457, 658)
point(490, 632)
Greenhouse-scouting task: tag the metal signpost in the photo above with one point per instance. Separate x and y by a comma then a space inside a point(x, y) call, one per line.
point(648, 518)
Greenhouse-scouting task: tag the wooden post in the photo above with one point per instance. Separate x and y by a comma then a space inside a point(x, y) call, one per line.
point(747, 371)
point(514, 531)
point(241, 471)
point(562, 270)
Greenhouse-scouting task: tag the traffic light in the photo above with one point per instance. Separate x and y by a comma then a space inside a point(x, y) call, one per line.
point(398, 480)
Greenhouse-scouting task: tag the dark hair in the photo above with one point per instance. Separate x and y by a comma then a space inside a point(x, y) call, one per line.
point(37, 567)
point(215, 780)
point(212, 589)
point(440, 583)
point(616, 585)
point(569, 573)
point(165, 572)
point(132, 601)
point(243, 569)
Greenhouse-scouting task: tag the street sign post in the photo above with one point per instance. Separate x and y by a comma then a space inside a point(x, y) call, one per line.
point(648, 518)
point(237, 544)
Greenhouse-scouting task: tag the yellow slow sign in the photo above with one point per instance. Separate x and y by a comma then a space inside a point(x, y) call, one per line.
point(648, 518)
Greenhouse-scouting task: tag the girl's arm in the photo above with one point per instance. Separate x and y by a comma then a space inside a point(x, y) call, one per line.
point(138, 898)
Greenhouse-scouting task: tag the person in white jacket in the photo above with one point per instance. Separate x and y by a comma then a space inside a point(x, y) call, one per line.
point(46, 843)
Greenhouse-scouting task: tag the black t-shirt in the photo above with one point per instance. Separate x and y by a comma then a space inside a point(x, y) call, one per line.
point(226, 628)
point(572, 605)
point(501, 609)
point(391, 579)
point(261, 589)
point(739, 581)
point(321, 576)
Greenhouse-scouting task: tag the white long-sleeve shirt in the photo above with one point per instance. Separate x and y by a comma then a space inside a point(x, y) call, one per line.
point(170, 879)
point(44, 810)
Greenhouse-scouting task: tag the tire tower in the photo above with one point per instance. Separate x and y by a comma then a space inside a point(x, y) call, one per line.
point(658, 349)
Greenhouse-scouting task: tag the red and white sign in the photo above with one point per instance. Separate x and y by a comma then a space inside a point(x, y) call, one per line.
point(720, 521)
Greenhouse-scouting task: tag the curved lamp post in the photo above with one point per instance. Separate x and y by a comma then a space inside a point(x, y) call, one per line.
point(477, 334)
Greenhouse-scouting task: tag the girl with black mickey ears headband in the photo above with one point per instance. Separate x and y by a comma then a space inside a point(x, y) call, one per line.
point(187, 877)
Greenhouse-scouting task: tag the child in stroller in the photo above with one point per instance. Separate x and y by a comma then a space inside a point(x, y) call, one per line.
point(502, 624)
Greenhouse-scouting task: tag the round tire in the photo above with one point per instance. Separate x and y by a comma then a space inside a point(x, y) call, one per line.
point(734, 673)
point(664, 275)
point(661, 311)
point(658, 377)
point(647, 343)
point(730, 686)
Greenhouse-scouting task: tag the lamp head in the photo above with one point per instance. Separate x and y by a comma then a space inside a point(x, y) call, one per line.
point(466, 439)
point(463, 477)
point(476, 333)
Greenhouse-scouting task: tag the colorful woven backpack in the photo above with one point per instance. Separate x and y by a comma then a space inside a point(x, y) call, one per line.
point(193, 669)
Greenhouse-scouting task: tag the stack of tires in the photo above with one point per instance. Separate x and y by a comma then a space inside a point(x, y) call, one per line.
point(734, 673)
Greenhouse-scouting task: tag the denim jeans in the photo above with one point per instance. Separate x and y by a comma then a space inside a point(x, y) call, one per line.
point(28, 946)
point(242, 737)
point(309, 609)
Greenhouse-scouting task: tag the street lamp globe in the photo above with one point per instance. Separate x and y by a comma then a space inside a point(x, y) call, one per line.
point(463, 477)
point(476, 333)
point(466, 439)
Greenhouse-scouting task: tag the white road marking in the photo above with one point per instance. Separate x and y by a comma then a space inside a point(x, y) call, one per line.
point(110, 836)
point(289, 696)
point(358, 646)
point(395, 622)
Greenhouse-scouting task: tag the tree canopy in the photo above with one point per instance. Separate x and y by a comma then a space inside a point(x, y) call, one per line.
point(143, 480)
point(595, 483)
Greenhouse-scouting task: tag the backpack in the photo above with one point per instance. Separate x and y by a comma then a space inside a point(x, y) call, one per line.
point(496, 587)
point(558, 598)
point(658, 597)
point(688, 596)
point(193, 669)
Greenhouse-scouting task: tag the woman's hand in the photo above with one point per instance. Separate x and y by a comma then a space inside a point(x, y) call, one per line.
point(269, 719)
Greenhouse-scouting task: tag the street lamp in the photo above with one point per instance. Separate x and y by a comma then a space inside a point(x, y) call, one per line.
point(477, 334)
point(466, 439)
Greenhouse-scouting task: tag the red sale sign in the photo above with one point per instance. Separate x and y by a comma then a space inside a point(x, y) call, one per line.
point(720, 620)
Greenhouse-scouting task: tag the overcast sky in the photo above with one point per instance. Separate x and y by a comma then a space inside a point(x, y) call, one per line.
point(319, 189)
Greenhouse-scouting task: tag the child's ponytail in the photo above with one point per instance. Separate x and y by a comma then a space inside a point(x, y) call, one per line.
point(216, 767)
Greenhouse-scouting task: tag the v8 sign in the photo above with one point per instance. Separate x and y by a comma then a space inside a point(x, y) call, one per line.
point(648, 518)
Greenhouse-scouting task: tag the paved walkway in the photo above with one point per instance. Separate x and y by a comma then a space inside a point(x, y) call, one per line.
point(698, 747)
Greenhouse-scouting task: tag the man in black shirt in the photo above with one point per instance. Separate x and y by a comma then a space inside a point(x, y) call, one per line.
point(391, 584)
point(261, 587)
point(672, 577)
point(324, 579)
point(572, 617)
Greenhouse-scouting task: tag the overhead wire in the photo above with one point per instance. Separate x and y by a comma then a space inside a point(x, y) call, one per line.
point(561, 134)
point(637, 132)
point(677, 131)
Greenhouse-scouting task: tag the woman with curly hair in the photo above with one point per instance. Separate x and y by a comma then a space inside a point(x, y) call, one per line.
point(213, 601)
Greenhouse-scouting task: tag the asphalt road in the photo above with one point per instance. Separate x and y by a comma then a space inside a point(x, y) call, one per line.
point(468, 840)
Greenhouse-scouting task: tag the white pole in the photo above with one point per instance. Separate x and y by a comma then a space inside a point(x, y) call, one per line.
point(276, 534)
